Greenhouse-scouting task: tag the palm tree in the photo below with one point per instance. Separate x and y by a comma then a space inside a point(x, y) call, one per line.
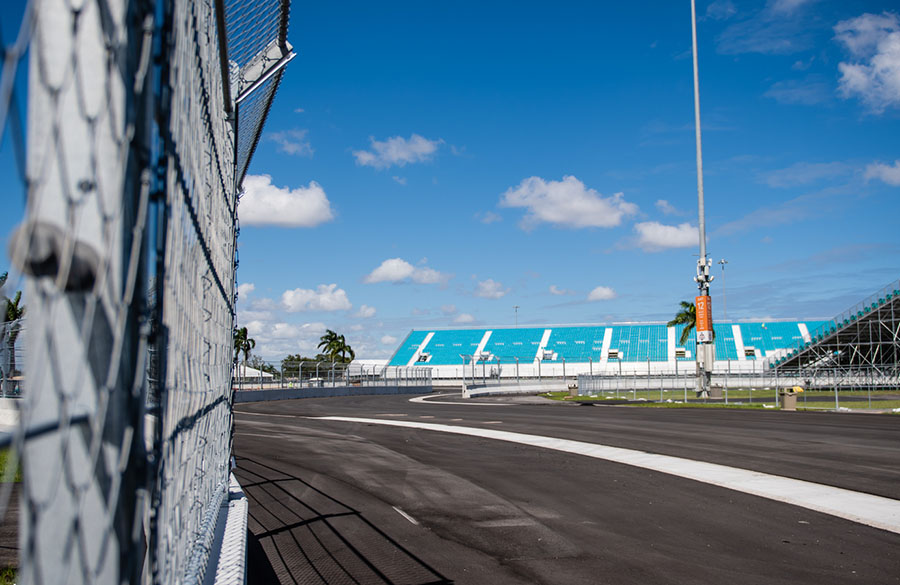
point(335, 347)
point(329, 343)
point(347, 351)
point(243, 343)
point(10, 327)
point(687, 316)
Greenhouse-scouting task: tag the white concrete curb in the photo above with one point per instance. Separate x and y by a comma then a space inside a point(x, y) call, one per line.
point(229, 555)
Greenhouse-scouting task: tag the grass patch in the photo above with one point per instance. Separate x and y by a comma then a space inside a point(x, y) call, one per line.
point(653, 401)
point(861, 405)
point(737, 400)
point(733, 406)
point(8, 576)
point(5, 456)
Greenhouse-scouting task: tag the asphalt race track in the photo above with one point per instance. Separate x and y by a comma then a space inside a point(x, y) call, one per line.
point(360, 502)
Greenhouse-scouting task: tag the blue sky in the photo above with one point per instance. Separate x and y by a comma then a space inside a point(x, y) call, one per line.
point(435, 165)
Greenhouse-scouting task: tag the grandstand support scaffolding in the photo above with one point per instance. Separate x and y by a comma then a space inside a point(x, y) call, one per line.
point(859, 348)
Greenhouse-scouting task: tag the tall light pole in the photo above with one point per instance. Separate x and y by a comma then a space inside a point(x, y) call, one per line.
point(516, 307)
point(723, 262)
point(704, 312)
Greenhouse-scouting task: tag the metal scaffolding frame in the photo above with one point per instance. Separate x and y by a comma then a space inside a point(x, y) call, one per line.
point(859, 348)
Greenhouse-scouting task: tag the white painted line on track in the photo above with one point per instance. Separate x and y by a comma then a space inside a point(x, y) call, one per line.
point(423, 399)
point(506, 523)
point(267, 414)
point(405, 515)
point(875, 511)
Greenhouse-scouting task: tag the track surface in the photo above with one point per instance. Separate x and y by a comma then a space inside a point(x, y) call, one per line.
point(339, 502)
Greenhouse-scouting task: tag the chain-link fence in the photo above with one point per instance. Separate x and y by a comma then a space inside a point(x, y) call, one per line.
point(130, 156)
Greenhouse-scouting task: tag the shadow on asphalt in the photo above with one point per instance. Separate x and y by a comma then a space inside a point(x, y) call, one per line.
point(9, 528)
point(300, 534)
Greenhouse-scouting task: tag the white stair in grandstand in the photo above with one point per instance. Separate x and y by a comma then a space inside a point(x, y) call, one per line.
point(421, 350)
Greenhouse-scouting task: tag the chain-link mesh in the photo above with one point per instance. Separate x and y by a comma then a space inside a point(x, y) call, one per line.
point(252, 114)
point(256, 33)
point(197, 290)
point(127, 247)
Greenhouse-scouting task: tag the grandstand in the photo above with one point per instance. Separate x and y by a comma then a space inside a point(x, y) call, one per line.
point(860, 347)
point(568, 350)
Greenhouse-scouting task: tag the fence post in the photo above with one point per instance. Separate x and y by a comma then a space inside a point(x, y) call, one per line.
point(837, 403)
point(727, 376)
point(776, 386)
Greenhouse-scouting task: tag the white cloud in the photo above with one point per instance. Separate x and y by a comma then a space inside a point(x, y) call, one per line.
point(255, 327)
point(275, 339)
point(554, 290)
point(601, 293)
point(566, 203)
point(874, 40)
point(890, 174)
point(779, 28)
point(804, 173)
point(265, 204)
point(388, 340)
point(245, 289)
point(292, 142)
point(862, 35)
point(397, 151)
point(399, 270)
point(490, 289)
point(654, 236)
point(801, 65)
point(806, 92)
point(326, 297)
point(365, 312)
point(464, 318)
point(788, 6)
point(448, 309)
point(284, 331)
point(721, 10)
point(488, 217)
point(399, 180)
point(666, 207)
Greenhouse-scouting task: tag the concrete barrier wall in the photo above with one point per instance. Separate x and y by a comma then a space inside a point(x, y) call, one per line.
point(294, 393)
point(515, 389)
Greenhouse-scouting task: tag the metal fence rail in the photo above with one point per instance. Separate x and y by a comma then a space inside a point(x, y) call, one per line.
point(290, 375)
point(837, 382)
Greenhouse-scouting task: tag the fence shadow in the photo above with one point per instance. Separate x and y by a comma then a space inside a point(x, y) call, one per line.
point(300, 534)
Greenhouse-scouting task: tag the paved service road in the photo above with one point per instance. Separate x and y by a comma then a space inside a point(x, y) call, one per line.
point(349, 502)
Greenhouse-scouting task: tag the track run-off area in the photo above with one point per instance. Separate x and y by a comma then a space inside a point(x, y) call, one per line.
point(385, 489)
